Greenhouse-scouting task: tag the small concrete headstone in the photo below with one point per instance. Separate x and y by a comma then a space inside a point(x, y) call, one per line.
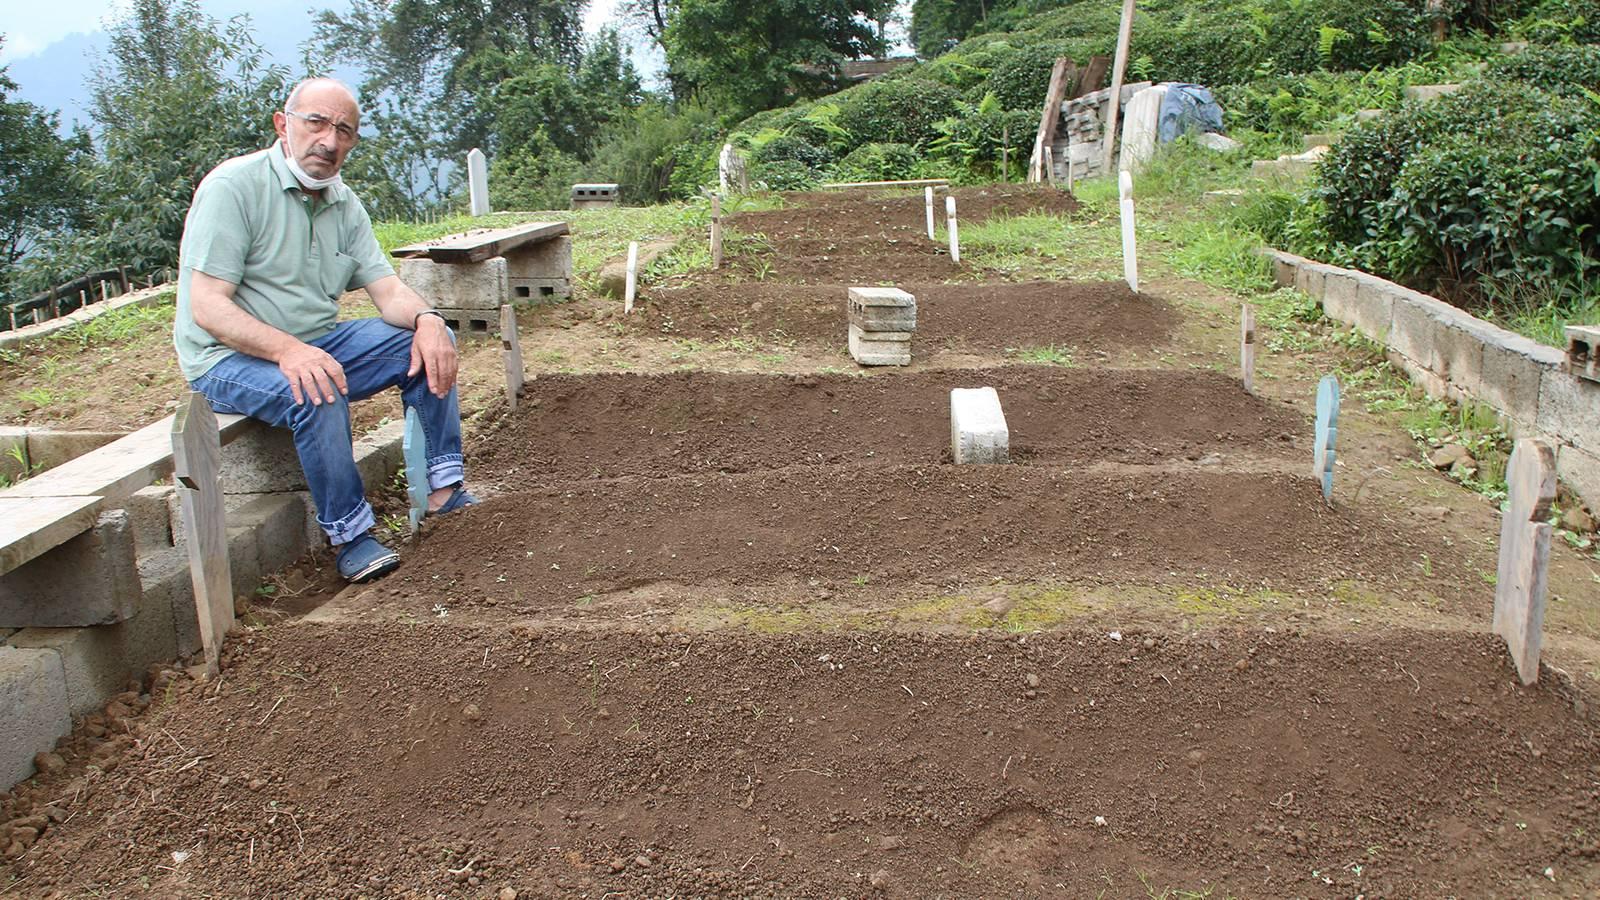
point(978, 432)
point(478, 181)
point(414, 452)
point(1130, 252)
point(1247, 347)
point(1327, 435)
point(1583, 352)
point(633, 277)
point(1519, 590)
point(881, 309)
point(928, 200)
point(950, 227)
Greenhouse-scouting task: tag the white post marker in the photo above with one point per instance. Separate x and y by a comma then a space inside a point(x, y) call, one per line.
point(1130, 253)
point(1049, 165)
point(512, 348)
point(1071, 175)
point(633, 276)
point(928, 196)
point(1521, 581)
point(716, 231)
point(1247, 347)
point(723, 162)
point(478, 181)
point(950, 226)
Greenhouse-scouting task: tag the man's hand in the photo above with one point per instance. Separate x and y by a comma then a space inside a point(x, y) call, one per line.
point(313, 374)
point(433, 351)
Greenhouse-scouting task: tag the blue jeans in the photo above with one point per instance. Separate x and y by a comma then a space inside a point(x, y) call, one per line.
point(375, 355)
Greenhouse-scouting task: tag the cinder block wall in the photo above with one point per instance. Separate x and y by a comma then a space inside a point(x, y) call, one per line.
point(1459, 356)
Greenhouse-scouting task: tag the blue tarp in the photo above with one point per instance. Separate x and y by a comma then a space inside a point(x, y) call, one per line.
point(1187, 107)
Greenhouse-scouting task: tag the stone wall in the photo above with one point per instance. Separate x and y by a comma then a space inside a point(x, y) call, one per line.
point(1459, 356)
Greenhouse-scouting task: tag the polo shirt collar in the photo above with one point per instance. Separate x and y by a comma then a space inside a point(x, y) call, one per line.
point(286, 179)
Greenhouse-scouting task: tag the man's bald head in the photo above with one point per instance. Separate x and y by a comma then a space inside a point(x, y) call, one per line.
point(319, 124)
point(319, 91)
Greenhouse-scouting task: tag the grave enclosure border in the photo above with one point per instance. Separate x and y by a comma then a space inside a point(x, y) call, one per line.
point(1454, 355)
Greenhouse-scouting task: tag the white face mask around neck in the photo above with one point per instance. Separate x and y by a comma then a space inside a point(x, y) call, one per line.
point(306, 180)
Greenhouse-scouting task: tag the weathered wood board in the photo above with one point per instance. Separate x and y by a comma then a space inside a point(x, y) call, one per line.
point(479, 245)
point(1519, 591)
point(197, 467)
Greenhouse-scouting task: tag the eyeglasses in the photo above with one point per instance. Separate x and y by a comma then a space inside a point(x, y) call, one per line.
point(320, 124)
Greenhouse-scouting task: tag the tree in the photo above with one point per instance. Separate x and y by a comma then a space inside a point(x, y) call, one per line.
point(38, 195)
point(754, 56)
point(938, 25)
point(181, 93)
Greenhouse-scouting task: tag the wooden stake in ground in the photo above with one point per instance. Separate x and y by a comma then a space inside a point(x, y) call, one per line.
point(512, 349)
point(950, 228)
point(929, 198)
point(414, 455)
point(1327, 435)
point(1061, 75)
point(1005, 152)
point(633, 276)
point(716, 231)
point(1247, 347)
point(1049, 165)
point(1519, 588)
point(1119, 68)
point(197, 462)
point(1130, 250)
point(1071, 175)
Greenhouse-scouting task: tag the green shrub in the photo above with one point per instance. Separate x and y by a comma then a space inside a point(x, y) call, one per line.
point(898, 111)
point(786, 175)
point(1560, 69)
point(791, 148)
point(878, 162)
point(1561, 21)
point(1021, 79)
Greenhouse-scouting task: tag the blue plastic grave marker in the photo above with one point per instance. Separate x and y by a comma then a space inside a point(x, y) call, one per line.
point(413, 448)
point(1327, 435)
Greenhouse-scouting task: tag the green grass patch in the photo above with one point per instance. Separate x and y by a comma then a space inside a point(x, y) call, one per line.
point(1044, 246)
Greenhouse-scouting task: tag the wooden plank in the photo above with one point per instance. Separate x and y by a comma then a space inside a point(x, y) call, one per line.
point(197, 468)
point(1522, 577)
point(1064, 71)
point(1094, 77)
point(716, 231)
point(1118, 69)
point(1247, 347)
point(914, 183)
point(512, 349)
point(121, 467)
point(30, 526)
point(481, 244)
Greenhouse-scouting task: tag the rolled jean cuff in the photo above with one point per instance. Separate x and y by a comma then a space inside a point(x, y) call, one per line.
point(445, 471)
point(350, 527)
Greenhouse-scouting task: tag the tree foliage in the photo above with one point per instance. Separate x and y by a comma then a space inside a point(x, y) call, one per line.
point(37, 192)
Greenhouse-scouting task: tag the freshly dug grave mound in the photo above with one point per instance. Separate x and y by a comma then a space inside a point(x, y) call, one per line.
point(571, 427)
point(441, 761)
point(1074, 317)
point(848, 215)
point(908, 527)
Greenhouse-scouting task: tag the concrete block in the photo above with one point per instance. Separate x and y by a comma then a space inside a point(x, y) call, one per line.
point(476, 286)
point(481, 323)
point(88, 580)
point(13, 453)
point(868, 350)
point(1375, 300)
point(1567, 410)
point(1583, 352)
point(97, 661)
point(540, 271)
point(166, 584)
point(260, 461)
point(1512, 375)
point(378, 453)
point(978, 432)
point(881, 309)
point(48, 449)
point(33, 706)
point(276, 525)
point(1579, 470)
point(153, 513)
point(880, 296)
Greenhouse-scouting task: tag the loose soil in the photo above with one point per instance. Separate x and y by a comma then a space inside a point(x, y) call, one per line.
point(1074, 318)
point(716, 634)
point(445, 761)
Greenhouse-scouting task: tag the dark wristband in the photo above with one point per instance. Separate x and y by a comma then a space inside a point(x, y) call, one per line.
point(427, 312)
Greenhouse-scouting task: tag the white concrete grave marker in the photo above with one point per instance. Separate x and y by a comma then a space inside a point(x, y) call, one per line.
point(1247, 347)
point(633, 277)
point(950, 226)
point(414, 454)
point(196, 467)
point(1049, 165)
point(724, 165)
point(1519, 589)
point(1071, 173)
point(512, 348)
point(1130, 252)
point(1327, 435)
point(478, 181)
point(716, 231)
point(978, 432)
point(928, 196)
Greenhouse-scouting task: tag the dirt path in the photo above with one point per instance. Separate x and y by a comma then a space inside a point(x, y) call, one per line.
point(730, 624)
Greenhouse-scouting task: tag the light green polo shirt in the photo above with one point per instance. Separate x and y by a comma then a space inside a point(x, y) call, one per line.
point(290, 254)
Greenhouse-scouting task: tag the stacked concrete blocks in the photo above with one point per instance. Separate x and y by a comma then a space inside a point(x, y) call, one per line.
point(470, 295)
point(881, 323)
point(596, 196)
point(1583, 352)
point(978, 432)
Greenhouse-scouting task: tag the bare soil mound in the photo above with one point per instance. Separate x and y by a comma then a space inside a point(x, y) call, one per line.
point(1082, 317)
point(927, 527)
point(572, 427)
point(442, 761)
point(854, 215)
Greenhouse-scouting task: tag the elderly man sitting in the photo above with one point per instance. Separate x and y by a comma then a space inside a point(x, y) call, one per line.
point(272, 240)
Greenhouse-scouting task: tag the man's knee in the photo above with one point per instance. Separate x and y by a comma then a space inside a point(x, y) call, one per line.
point(333, 413)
